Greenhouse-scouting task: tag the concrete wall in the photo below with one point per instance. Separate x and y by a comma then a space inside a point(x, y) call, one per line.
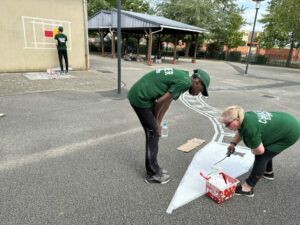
point(23, 44)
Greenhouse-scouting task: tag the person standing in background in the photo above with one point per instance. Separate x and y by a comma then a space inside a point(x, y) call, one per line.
point(62, 49)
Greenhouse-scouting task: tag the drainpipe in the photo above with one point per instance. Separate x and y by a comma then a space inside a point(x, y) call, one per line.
point(85, 24)
point(161, 29)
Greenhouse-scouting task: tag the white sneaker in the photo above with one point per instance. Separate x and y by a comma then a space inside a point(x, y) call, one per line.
point(160, 179)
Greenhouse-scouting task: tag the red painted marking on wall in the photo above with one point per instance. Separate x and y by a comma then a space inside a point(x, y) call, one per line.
point(48, 33)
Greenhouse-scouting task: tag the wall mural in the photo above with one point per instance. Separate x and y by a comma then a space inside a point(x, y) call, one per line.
point(39, 33)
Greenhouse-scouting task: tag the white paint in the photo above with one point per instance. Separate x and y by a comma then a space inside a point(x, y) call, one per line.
point(61, 151)
point(34, 34)
point(24, 33)
point(32, 41)
point(192, 185)
point(46, 76)
point(43, 19)
point(41, 43)
point(69, 45)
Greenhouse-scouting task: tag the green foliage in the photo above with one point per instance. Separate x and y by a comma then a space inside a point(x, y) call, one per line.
point(215, 51)
point(201, 55)
point(221, 17)
point(282, 26)
point(95, 6)
point(261, 59)
point(135, 5)
point(234, 56)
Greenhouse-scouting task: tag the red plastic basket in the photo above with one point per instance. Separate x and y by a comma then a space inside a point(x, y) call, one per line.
point(218, 194)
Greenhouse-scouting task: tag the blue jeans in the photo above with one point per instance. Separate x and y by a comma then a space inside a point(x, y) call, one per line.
point(148, 121)
point(262, 163)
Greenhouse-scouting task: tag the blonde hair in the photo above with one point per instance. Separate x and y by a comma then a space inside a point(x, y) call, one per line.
point(231, 113)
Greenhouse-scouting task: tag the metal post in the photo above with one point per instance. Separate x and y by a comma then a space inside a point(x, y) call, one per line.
point(86, 44)
point(247, 61)
point(119, 45)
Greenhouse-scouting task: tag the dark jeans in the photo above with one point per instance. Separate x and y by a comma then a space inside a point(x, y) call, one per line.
point(148, 121)
point(63, 53)
point(262, 163)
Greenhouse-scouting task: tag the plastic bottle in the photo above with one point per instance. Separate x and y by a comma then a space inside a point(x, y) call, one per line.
point(164, 129)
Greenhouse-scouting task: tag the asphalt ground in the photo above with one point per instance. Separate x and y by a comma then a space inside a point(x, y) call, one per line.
point(74, 154)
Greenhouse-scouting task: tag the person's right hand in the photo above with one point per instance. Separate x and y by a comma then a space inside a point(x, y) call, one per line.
point(230, 149)
point(158, 129)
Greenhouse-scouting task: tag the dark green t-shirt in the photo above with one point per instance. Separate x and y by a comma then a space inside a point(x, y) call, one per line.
point(61, 41)
point(275, 130)
point(156, 83)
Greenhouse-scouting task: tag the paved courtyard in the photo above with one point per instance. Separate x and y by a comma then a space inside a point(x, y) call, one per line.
point(72, 150)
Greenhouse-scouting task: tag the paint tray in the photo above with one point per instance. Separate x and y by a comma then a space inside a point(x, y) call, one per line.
point(220, 186)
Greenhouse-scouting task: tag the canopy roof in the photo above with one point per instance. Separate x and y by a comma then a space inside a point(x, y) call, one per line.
point(137, 22)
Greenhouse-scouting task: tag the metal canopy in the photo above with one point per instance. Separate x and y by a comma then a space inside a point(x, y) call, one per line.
point(136, 23)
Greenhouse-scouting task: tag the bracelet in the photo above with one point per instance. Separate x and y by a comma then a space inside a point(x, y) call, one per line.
point(233, 143)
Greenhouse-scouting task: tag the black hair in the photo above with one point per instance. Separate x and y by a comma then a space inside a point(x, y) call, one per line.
point(61, 29)
point(195, 76)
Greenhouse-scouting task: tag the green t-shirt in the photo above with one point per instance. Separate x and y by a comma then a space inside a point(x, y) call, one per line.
point(156, 83)
point(61, 41)
point(275, 130)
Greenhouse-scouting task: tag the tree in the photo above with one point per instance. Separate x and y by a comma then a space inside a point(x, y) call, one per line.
point(221, 17)
point(131, 5)
point(282, 26)
point(229, 32)
point(135, 5)
point(96, 5)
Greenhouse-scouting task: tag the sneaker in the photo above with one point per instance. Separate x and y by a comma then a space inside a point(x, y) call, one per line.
point(239, 191)
point(61, 72)
point(268, 175)
point(160, 179)
point(163, 171)
point(2, 114)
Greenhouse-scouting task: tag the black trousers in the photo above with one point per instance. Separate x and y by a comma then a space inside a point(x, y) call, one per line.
point(262, 163)
point(63, 53)
point(148, 121)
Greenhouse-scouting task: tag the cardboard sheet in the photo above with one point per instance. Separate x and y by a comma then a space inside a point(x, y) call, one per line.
point(190, 145)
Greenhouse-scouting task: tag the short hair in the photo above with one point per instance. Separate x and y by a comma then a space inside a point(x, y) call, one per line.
point(60, 28)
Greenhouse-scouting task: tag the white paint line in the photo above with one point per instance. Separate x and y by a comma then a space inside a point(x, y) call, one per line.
point(69, 38)
point(210, 117)
point(25, 39)
point(34, 35)
point(61, 151)
point(42, 43)
point(42, 19)
point(48, 24)
point(40, 48)
point(189, 188)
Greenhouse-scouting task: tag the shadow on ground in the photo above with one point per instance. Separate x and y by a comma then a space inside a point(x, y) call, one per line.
point(113, 94)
